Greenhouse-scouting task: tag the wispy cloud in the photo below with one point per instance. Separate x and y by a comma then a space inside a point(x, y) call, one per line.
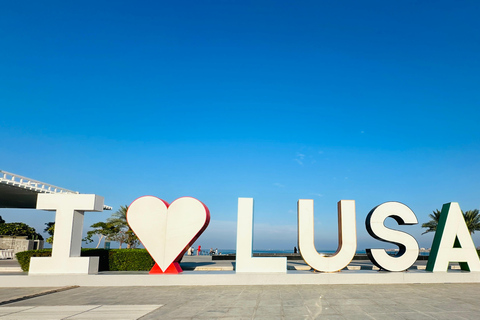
point(299, 158)
point(276, 184)
point(317, 194)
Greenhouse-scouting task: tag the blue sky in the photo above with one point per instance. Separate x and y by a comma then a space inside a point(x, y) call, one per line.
point(367, 100)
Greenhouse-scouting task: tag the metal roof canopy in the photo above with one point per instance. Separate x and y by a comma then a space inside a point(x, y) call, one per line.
point(21, 192)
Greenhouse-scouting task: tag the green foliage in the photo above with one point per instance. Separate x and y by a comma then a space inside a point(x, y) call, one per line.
point(24, 257)
point(130, 260)
point(432, 224)
point(19, 229)
point(110, 260)
point(125, 234)
point(115, 229)
point(50, 229)
point(102, 230)
point(472, 220)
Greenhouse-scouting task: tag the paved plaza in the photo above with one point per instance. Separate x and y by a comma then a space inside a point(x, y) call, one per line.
point(416, 301)
point(325, 301)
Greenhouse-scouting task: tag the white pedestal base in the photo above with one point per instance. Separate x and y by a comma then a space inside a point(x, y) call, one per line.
point(72, 265)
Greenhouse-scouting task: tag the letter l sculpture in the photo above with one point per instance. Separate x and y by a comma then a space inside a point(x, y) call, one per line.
point(244, 260)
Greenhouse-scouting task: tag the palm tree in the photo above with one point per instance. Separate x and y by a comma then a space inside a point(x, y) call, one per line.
point(432, 224)
point(472, 220)
point(126, 234)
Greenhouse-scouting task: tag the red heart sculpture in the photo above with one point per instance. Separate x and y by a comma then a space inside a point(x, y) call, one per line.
point(167, 231)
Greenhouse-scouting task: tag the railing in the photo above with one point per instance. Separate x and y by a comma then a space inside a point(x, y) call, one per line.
point(30, 184)
point(6, 254)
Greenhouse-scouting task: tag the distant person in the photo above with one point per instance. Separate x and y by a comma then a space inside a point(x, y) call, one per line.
point(216, 251)
point(295, 250)
point(199, 250)
point(211, 251)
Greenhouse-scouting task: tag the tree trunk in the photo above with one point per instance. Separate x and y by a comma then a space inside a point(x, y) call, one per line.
point(100, 237)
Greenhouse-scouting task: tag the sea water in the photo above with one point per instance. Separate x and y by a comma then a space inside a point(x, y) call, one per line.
point(279, 252)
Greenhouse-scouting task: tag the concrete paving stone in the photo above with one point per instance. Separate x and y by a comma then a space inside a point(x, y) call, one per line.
point(329, 317)
point(448, 315)
point(399, 316)
point(240, 312)
point(414, 315)
point(270, 303)
point(107, 315)
point(348, 302)
point(467, 316)
point(374, 308)
point(319, 310)
point(78, 312)
point(223, 303)
point(347, 309)
point(360, 316)
point(315, 310)
point(292, 303)
point(423, 307)
point(450, 306)
point(12, 293)
point(212, 313)
point(297, 317)
point(317, 301)
point(50, 309)
point(50, 312)
point(245, 303)
point(355, 295)
point(389, 301)
point(161, 314)
point(291, 297)
point(194, 303)
point(125, 312)
point(401, 307)
point(8, 310)
point(292, 311)
point(268, 311)
point(270, 297)
point(124, 308)
point(182, 313)
point(35, 317)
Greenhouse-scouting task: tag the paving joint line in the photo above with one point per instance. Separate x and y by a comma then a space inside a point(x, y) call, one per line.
point(81, 312)
point(34, 295)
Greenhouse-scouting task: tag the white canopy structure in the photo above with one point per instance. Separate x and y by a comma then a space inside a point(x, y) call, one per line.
point(21, 192)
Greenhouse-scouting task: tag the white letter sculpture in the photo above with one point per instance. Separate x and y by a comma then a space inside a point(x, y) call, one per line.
point(244, 260)
point(167, 231)
point(452, 242)
point(67, 239)
point(408, 246)
point(347, 237)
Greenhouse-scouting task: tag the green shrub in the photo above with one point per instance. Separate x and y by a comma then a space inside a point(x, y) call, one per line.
point(110, 260)
point(130, 260)
point(24, 257)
